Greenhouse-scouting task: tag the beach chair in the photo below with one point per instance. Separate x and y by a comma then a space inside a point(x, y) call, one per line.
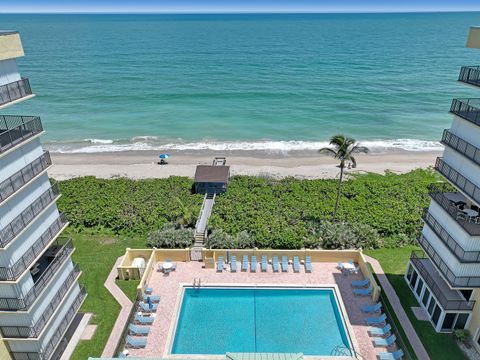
point(275, 266)
point(396, 355)
point(147, 308)
point(372, 308)
point(138, 330)
point(220, 264)
point(135, 343)
point(144, 320)
point(296, 264)
point(376, 331)
point(284, 264)
point(244, 263)
point(385, 342)
point(264, 263)
point(360, 283)
point(253, 264)
point(363, 292)
point(233, 264)
point(308, 264)
point(376, 320)
point(153, 298)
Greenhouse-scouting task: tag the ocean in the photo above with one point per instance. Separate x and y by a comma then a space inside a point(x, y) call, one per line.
point(271, 82)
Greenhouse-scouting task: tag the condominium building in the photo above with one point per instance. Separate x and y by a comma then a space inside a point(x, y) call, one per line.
point(39, 290)
point(445, 276)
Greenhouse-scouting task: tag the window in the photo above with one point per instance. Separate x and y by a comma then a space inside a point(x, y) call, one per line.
point(448, 321)
point(431, 306)
point(466, 294)
point(436, 315)
point(409, 272)
point(413, 280)
point(461, 321)
point(419, 287)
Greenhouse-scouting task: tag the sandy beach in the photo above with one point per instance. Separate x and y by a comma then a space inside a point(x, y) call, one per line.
point(308, 165)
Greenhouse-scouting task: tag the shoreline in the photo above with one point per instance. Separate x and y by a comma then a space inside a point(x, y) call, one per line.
point(302, 165)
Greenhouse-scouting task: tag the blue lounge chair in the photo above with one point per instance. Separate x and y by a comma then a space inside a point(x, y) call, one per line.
point(376, 331)
point(153, 298)
point(275, 266)
point(360, 283)
point(372, 308)
point(284, 263)
point(308, 264)
point(296, 264)
point(135, 343)
point(138, 330)
point(144, 320)
point(363, 292)
point(220, 264)
point(233, 264)
point(146, 307)
point(244, 263)
point(376, 320)
point(396, 355)
point(253, 264)
point(264, 263)
point(385, 342)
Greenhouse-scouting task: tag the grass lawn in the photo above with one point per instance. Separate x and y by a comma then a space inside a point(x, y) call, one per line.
point(394, 263)
point(129, 287)
point(96, 255)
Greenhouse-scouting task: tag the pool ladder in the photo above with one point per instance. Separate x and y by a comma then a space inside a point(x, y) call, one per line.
point(197, 283)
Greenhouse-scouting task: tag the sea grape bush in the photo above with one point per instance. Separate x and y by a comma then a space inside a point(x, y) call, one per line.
point(171, 237)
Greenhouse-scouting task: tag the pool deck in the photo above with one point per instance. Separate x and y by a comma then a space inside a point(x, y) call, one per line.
point(169, 286)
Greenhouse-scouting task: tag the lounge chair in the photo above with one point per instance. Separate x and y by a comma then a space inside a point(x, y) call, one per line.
point(146, 308)
point(233, 264)
point(363, 292)
point(264, 263)
point(385, 342)
point(244, 263)
point(220, 264)
point(376, 331)
point(253, 264)
point(138, 330)
point(296, 264)
point(135, 343)
point(308, 264)
point(396, 355)
point(284, 263)
point(144, 320)
point(153, 298)
point(372, 308)
point(275, 266)
point(376, 320)
point(360, 283)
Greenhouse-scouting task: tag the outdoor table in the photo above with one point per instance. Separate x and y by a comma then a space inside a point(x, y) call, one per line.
point(167, 266)
point(348, 266)
point(470, 212)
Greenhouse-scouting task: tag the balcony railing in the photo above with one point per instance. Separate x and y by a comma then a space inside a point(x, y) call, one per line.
point(13, 272)
point(458, 180)
point(470, 75)
point(57, 336)
point(461, 254)
point(17, 225)
point(468, 150)
point(449, 275)
point(439, 194)
point(468, 109)
point(416, 258)
point(20, 178)
point(14, 304)
point(14, 129)
point(14, 91)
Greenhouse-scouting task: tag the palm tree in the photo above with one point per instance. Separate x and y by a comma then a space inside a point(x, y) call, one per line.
point(343, 149)
point(186, 217)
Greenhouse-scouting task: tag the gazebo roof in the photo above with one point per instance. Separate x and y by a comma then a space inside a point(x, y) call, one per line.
point(212, 174)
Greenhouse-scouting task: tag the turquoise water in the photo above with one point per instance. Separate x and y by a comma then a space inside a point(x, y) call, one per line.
point(216, 321)
point(272, 82)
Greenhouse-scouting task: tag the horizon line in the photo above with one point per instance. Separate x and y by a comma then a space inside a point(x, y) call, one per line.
point(238, 12)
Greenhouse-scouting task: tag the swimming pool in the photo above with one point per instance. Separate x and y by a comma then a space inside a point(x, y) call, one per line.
point(282, 320)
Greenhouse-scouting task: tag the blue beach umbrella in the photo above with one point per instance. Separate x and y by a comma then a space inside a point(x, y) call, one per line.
point(164, 156)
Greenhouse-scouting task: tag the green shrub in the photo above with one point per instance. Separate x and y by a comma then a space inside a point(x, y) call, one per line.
point(462, 335)
point(219, 239)
point(170, 237)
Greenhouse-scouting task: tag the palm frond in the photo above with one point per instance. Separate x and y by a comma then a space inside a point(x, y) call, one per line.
point(328, 151)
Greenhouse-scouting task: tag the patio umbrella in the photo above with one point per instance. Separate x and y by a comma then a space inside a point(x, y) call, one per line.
point(164, 156)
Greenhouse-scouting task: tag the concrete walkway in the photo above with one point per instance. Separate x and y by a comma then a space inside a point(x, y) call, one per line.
point(407, 326)
point(125, 303)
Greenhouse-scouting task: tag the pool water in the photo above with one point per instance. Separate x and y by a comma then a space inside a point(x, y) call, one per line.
point(220, 320)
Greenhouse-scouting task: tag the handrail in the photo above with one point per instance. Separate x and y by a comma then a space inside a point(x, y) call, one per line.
point(467, 109)
point(415, 257)
point(463, 147)
point(458, 180)
point(16, 128)
point(21, 221)
point(15, 90)
point(20, 178)
point(470, 75)
point(201, 211)
point(13, 272)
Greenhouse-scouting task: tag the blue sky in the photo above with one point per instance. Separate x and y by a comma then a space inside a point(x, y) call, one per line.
point(236, 5)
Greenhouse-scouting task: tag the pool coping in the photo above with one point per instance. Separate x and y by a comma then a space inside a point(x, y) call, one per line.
point(167, 354)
